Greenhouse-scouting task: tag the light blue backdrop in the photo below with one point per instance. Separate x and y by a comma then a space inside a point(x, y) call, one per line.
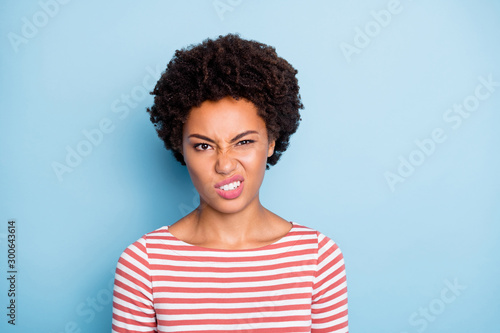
point(396, 159)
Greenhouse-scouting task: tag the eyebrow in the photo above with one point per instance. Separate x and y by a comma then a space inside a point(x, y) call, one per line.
point(237, 137)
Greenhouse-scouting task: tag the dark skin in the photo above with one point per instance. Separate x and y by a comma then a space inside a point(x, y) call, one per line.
point(221, 140)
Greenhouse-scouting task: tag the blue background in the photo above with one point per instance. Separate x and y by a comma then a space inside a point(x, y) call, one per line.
point(87, 64)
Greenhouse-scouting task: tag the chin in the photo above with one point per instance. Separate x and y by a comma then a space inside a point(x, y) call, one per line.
point(226, 206)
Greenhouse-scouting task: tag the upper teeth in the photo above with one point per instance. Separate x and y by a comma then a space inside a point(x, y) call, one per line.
point(230, 186)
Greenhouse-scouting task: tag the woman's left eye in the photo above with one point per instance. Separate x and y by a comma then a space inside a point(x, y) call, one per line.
point(245, 142)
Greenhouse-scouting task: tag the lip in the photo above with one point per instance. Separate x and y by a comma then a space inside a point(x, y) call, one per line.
point(230, 180)
point(231, 194)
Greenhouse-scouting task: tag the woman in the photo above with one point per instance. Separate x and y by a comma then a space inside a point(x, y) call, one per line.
point(226, 108)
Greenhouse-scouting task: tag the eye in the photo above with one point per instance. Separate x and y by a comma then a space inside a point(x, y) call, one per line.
point(202, 146)
point(244, 142)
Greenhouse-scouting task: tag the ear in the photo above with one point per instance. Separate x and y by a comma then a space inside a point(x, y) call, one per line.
point(270, 149)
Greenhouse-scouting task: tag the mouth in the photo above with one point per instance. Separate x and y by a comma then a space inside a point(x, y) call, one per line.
point(230, 188)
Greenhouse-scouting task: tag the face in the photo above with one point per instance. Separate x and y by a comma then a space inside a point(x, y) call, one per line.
point(225, 146)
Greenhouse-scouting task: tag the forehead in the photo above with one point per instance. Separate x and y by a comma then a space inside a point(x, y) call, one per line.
point(224, 116)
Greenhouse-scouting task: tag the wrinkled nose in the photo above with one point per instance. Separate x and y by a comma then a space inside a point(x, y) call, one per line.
point(224, 164)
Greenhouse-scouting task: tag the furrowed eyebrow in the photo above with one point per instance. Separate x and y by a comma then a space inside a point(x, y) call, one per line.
point(201, 137)
point(237, 137)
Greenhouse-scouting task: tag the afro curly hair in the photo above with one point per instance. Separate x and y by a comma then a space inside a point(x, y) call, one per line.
point(227, 66)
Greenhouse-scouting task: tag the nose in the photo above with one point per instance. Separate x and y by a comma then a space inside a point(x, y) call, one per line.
point(224, 164)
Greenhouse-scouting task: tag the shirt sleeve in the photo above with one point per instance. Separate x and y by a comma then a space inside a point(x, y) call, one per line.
point(329, 301)
point(133, 309)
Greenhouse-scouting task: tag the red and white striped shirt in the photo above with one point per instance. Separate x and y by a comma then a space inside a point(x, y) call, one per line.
point(296, 284)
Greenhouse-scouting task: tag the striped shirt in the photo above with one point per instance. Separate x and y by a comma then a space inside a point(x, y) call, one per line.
point(296, 284)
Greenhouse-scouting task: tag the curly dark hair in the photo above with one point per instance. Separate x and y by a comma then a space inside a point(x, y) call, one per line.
point(227, 66)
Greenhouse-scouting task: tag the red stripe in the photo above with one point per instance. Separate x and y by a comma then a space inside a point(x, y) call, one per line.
point(283, 329)
point(334, 295)
point(234, 300)
point(171, 255)
point(330, 329)
point(201, 279)
point(133, 268)
point(196, 289)
point(132, 311)
point(129, 321)
point(132, 279)
point(331, 308)
point(129, 300)
point(232, 321)
point(132, 290)
point(134, 255)
point(213, 269)
point(176, 311)
point(330, 277)
point(127, 330)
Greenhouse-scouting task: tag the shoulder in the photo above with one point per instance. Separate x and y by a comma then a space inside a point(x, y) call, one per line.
point(304, 230)
point(323, 242)
point(141, 245)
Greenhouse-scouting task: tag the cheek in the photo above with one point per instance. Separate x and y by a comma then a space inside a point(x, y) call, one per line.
point(198, 178)
point(199, 170)
point(195, 168)
point(254, 160)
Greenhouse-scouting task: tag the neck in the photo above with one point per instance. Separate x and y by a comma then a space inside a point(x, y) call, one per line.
point(231, 230)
